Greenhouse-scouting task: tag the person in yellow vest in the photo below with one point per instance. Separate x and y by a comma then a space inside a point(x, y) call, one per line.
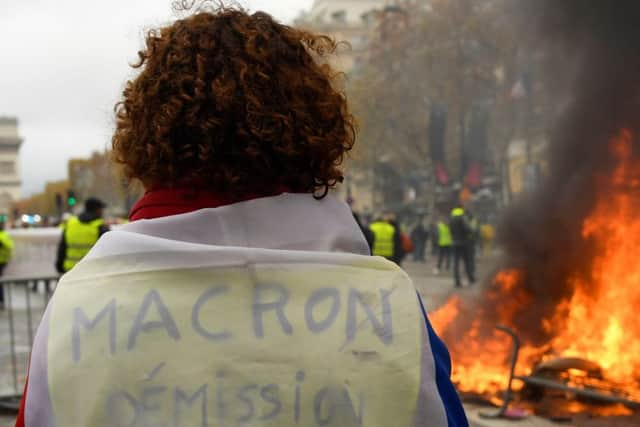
point(80, 233)
point(387, 240)
point(242, 293)
point(6, 250)
point(445, 243)
point(463, 241)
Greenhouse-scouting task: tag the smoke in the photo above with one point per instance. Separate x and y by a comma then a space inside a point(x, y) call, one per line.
point(541, 234)
point(592, 48)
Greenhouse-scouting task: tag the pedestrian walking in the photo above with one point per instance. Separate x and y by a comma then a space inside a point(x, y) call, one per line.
point(240, 282)
point(80, 233)
point(461, 234)
point(6, 250)
point(444, 247)
point(419, 236)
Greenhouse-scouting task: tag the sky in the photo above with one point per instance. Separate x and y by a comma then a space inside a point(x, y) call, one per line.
point(63, 64)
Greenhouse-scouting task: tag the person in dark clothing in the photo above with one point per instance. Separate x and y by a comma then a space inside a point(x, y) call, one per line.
point(474, 239)
point(419, 236)
point(398, 248)
point(368, 234)
point(80, 234)
point(461, 235)
point(433, 235)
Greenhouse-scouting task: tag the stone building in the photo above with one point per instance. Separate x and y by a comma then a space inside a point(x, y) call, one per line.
point(10, 142)
point(350, 21)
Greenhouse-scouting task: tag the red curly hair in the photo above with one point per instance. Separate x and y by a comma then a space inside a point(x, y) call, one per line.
point(234, 103)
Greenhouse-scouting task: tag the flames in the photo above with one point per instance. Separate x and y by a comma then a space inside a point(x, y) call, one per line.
point(597, 321)
point(601, 316)
point(481, 352)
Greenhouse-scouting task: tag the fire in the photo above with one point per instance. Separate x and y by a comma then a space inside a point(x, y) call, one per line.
point(442, 318)
point(480, 355)
point(601, 317)
point(597, 321)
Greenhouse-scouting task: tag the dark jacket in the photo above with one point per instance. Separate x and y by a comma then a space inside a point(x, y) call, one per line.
point(419, 234)
point(461, 232)
point(398, 248)
point(62, 246)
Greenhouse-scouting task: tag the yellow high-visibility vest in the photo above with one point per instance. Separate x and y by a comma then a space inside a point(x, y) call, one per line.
point(80, 238)
point(444, 235)
point(6, 247)
point(383, 239)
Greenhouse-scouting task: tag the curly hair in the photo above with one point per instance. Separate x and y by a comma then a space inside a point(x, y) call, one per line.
point(235, 103)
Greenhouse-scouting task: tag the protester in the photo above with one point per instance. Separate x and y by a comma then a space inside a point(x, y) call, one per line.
point(444, 247)
point(462, 236)
point(384, 239)
point(407, 243)
point(6, 250)
point(433, 234)
point(80, 233)
point(474, 237)
point(419, 236)
point(402, 244)
point(242, 292)
point(387, 239)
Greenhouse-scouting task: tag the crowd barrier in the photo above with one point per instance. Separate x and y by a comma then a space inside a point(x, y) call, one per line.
point(28, 282)
point(25, 300)
point(34, 253)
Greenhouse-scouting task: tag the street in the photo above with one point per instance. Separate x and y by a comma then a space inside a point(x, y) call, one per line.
point(437, 288)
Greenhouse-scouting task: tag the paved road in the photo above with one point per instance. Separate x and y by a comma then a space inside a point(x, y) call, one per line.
point(437, 288)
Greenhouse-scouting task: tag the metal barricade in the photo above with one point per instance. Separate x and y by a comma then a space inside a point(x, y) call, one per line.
point(25, 300)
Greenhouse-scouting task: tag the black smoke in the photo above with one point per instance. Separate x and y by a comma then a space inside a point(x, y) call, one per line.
point(595, 45)
point(591, 52)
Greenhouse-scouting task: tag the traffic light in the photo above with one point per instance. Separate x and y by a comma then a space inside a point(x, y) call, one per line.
point(71, 199)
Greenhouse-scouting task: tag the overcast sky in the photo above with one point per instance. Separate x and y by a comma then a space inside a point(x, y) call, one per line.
point(63, 64)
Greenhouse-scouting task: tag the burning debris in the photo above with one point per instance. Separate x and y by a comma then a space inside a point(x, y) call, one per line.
point(570, 280)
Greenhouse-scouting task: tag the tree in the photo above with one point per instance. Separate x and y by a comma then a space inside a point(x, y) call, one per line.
point(453, 54)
